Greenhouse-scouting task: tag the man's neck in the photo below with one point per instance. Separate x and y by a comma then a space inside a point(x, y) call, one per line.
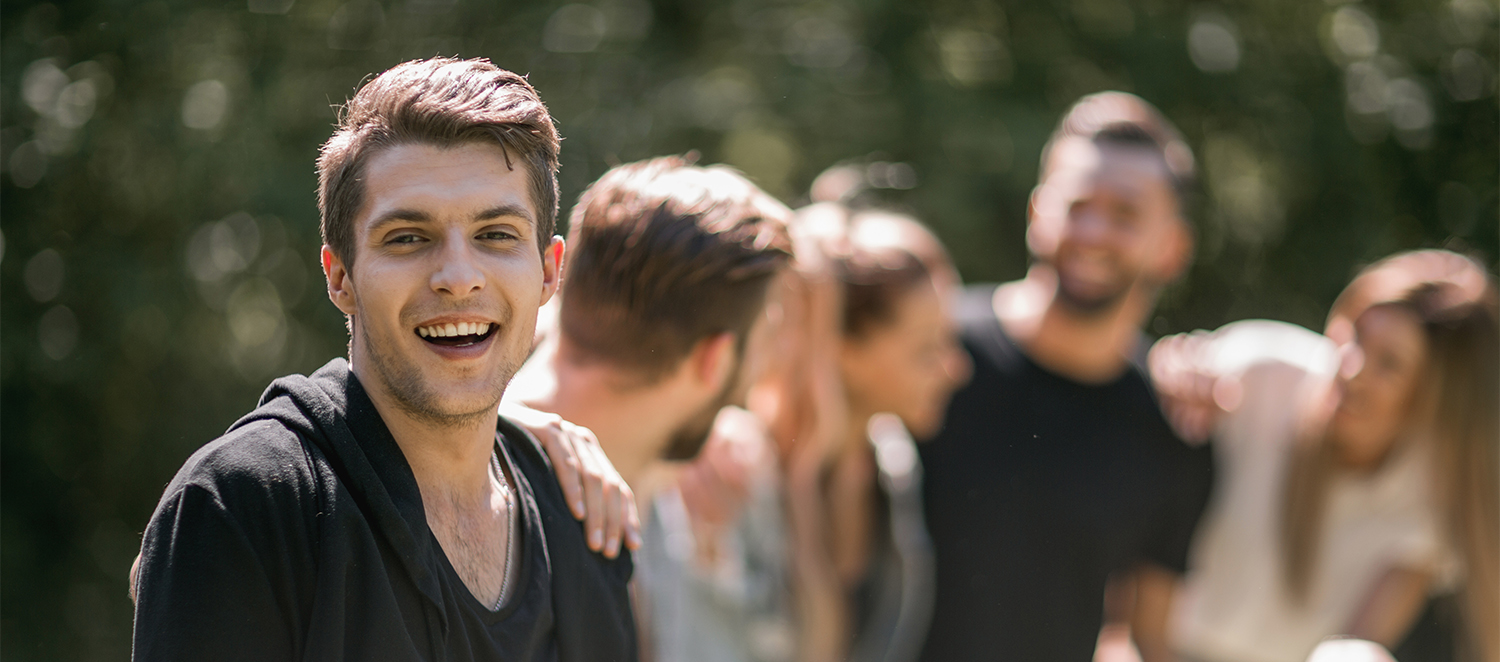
point(451, 460)
point(625, 421)
point(1085, 347)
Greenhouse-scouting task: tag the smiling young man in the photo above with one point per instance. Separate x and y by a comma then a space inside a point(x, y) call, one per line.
point(380, 508)
point(1055, 469)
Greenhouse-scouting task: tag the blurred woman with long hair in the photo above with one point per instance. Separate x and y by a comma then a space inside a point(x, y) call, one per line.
point(1358, 468)
point(869, 358)
point(862, 557)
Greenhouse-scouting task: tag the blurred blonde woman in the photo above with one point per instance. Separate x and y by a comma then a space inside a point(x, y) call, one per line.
point(1358, 467)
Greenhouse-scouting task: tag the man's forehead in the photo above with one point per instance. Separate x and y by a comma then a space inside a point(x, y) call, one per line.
point(1078, 156)
point(471, 180)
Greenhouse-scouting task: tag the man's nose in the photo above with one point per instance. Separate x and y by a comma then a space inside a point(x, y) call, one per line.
point(458, 274)
point(1088, 226)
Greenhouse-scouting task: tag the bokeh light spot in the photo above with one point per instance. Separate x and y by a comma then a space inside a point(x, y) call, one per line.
point(574, 28)
point(57, 332)
point(41, 83)
point(1351, 35)
point(44, 275)
point(1468, 76)
point(28, 164)
point(1213, 45)
point(204, 105)
point(356, 26)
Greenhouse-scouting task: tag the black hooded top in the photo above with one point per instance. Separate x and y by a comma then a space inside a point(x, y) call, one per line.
point(300, 534)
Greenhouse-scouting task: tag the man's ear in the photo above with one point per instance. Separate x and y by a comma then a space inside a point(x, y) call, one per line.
point(1176, 253)
point(713, 360)
point(552, 269)
point(1038, 241)
point(340, 287)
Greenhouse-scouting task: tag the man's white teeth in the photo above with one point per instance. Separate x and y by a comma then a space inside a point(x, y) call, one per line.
point(453, 330)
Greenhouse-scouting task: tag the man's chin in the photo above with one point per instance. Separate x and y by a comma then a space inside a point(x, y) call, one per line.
point(687, 442)
point(1090, 303)
point(447, 402)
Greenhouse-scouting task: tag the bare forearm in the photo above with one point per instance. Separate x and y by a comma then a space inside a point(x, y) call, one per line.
point(1391, 606)
point(1155, 587)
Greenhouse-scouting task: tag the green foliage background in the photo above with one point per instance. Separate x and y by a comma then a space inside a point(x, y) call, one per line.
point(159, 260)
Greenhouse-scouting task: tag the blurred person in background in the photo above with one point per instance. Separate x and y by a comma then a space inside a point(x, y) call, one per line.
point(1055, 470)
point(663, 311)
point(831, 509)
point(662, 327)
point(381, 508)
point(860, 536)
point(1359, 468)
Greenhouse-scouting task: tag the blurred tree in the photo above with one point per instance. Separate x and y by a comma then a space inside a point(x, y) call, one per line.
point(158, 257)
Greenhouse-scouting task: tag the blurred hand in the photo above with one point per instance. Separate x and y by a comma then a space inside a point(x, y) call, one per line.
point(596, 493)
point(715, 487)
point(811, 418)
point(1185, 385)
point(803, 403)
point(1350, 650)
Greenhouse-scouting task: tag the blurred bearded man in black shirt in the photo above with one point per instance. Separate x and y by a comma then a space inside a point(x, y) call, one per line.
point(381, 508)
point(1055, 469)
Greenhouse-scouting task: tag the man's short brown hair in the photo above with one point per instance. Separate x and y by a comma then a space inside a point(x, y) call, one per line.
point(444, 102)
point(663, 254)
point(1120, 118)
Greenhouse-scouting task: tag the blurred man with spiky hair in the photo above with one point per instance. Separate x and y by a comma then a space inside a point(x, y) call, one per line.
point(1055, 469)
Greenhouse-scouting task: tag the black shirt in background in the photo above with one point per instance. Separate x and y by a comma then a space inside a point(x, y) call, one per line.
point(300, 534)
point(1036, 490)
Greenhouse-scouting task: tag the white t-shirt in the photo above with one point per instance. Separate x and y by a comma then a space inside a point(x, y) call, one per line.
point(1234, 607)
point(735, 608)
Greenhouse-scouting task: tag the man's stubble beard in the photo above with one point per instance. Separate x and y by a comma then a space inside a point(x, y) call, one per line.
point(1090, 307)
point(690, 437)
point(404, 381)
point(1093, 307)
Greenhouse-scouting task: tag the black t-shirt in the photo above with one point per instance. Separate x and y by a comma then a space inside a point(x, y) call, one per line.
point(300, 534)
point(1036, 490)
point(522, 628)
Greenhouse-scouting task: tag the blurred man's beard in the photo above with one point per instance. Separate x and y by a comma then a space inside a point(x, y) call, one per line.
point(690, 437)
point(404, 381)
point(1090, 306)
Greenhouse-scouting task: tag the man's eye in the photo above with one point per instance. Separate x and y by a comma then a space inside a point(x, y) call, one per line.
point(497, 235)
point(404, 239)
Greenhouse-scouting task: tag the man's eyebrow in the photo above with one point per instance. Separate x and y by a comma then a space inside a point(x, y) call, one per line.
point(502, 211)
point(399, 216)
point(418, 216)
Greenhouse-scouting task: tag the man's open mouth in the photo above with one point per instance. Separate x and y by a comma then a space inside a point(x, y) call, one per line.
point(461, 334)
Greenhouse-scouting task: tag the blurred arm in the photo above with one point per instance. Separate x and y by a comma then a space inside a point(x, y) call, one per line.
point(715, 486)
point(1391, 606)
point(1184, 383)
point(1203, 379)
point(1154, 588)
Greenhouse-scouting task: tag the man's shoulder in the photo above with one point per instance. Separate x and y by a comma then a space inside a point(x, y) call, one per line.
point(590, 593)
point(563, 532)
point(252, 463)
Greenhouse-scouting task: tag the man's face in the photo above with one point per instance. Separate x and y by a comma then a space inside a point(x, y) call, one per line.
point(446, 279)
point(1106, 219)
point(749, 365)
